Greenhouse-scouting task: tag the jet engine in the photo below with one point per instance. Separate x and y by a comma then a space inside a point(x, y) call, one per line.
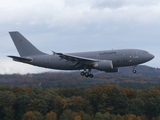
point(105, 65)
point(112, 70)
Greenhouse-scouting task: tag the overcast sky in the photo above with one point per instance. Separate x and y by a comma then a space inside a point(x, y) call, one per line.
point(78, 25)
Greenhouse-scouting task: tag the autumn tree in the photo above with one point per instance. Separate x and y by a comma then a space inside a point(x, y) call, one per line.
point(58, 105)
point(76, 103)
point(149, 93)
point(32, 115)
point(77, 117)
point(108, 98)
point(99, 96)
point(130, 93)
point(51, 116)
point(131, 117)
point(18, 90)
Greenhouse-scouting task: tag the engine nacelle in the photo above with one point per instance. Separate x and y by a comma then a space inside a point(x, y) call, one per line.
point(112, 70)
point(104, 65)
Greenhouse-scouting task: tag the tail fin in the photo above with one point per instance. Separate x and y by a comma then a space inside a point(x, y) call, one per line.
point(24, 47)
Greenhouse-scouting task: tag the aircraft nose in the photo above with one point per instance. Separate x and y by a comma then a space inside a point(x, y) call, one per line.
point(151, 56)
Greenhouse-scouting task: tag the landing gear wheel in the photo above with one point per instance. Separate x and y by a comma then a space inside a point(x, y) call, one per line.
point(82, 73)
point(134, 71)
point(87, 74)
point(91, 75)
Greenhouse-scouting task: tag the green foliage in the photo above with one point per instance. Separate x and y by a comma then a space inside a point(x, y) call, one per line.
point(86, 117)
point(67, 115)
point(108, 98)
point(21, 105)
point(37, 105)
point(63, 117)
point(152, 107)
point(135, 107)
point(98, 116)
point(38, 89)
point(102, 102)
point(8, 113)
point(119, 117)
point(7, 98)
point(108, 116)
point(5, 88)
point(69, 92)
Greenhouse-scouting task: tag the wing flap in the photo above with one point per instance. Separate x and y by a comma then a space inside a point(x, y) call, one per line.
point(77, 60)
point(66, 56)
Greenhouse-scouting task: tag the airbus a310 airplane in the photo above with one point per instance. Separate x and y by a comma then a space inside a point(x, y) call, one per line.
point(106, 60)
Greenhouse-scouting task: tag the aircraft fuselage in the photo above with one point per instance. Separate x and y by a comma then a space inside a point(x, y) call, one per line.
point(107, 60)
point(119, 58)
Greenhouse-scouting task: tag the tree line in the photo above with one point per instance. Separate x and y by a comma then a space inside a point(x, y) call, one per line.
point(64, 80)
point(102, 102)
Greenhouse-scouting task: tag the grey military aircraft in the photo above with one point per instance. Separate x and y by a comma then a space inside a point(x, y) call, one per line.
point(106, 60)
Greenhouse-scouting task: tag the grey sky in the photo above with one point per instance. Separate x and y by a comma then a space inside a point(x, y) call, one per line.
point(81, 25)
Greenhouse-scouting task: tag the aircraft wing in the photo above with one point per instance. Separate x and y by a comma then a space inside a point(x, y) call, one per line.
point(77, 60)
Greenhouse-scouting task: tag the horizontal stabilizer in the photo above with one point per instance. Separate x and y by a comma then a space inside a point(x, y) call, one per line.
point(21, 59)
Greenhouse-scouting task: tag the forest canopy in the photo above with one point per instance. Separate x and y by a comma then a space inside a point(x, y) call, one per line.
point(102, 102)
point(68, 96)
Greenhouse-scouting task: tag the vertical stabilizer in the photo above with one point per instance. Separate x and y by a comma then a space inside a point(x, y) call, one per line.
point(24, 47)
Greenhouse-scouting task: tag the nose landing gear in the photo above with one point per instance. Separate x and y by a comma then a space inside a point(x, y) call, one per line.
point(134, 69)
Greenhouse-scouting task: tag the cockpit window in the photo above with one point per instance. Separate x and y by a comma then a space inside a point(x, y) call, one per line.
point(145, 52)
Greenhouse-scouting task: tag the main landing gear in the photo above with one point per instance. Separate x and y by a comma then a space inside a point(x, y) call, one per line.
point(87, 74)
point(134, 69)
